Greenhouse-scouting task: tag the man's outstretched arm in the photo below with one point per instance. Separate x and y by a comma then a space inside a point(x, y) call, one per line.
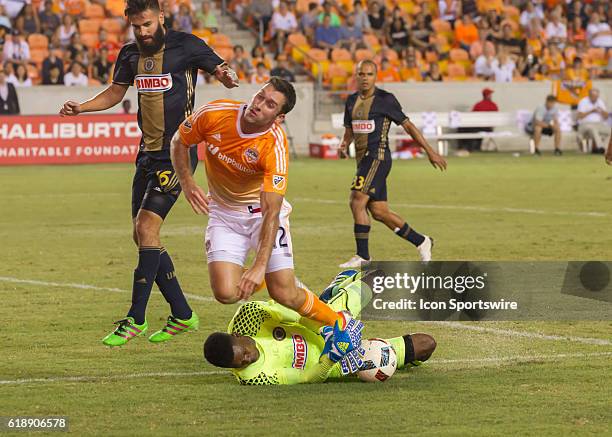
point(106, 99)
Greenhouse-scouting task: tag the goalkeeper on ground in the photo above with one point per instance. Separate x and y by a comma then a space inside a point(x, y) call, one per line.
point(269, 344)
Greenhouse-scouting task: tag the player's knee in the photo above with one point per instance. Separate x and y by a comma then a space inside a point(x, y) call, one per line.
point(378, 214)
point(145, 228)
point(424, 346)
point(226, 295)
point(287, 296)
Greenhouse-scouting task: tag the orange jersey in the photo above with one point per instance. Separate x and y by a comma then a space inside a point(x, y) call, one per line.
point(239, 166)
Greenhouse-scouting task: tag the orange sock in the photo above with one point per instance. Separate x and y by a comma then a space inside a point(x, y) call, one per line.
point(314, 309)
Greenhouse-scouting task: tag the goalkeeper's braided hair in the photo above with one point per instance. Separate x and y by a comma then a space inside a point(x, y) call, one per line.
point(219, 350)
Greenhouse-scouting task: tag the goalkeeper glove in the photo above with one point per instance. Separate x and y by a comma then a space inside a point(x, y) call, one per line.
point(339, 342)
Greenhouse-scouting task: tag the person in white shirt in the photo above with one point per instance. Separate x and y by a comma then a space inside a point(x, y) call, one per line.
point(75, 76)
point(599, 34)
point(16, 48)
point(506, 68)
point(593, 120)
point(530, 13)
point(485, 63)
point(556, 31)
point(282, 24)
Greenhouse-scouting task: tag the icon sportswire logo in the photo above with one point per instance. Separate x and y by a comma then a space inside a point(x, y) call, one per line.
point(153, 83)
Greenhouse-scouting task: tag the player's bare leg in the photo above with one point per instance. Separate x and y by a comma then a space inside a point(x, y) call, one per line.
point(283, 288)
point(557, 138)
point(359, 208)
point(380, 212)
point(537, 137)
point(224, 279)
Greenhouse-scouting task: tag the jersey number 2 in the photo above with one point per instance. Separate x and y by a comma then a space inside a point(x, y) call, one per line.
point(282, 240)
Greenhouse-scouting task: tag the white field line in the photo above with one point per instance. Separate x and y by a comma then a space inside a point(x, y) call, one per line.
point(526, 334)
point(87, 287)
point(434, 362)
point(468, 208)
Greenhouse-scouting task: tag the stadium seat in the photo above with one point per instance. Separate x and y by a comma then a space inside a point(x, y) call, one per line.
point(456, 72)
point(597, 56)
point(372, 42)
point(298, 44)
point(337, 77)
point(38, 55)
point(33, 74)
point(302, 6)
point(112, 25)
point(512, 12)
point(317, 60)
point(362, 54)
point(569, 53)
point(225, 52)
point(38, 41)
point(89, 26)
point(90, 40)
point(115, 7)
point(220, 40)
point(460, 56)
point(442, 27)
point(94, 10)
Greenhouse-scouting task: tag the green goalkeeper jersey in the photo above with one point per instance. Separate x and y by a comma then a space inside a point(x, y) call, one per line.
point(289, 346)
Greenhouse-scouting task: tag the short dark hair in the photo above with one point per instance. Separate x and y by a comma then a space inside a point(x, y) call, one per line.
point(551, 98)
point(219, 350)
point(133, 7)
point(286, 89)
point(368, 62)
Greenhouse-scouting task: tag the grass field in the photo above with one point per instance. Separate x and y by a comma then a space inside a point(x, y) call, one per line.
point(67, 261)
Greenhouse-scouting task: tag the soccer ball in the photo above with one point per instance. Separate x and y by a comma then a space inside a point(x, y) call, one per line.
point(379, 361)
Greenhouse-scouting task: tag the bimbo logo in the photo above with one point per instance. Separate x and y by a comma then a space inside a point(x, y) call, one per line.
point(363, 126)
point(153, 83)
point(300, 352)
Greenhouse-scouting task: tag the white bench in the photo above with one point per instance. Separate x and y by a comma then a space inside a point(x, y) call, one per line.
point(433, 125)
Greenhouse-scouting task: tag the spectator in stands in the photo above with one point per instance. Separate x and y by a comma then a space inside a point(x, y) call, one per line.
point(49, 20)
point(556, 31)
point(544, 122)
point(421, 30)
point(50, 62)
point(529, 14)
point(126, 106)
point(54, 77)
point(507, 42)
point(309, 21)
point(528, 62)
point(397, 34)
point(65, 31)
point(13, 7)
point(283, 24)
point(466, 32)
point(592, 120)
point(387, 72)
point(102, 67)
point(262, 74)
point(484, 30)
point(183, 19)
point(326, 36)
point(9, 103)
point(599, 33)
point(576, 10)
point(409, 70)
point(76, 47)
point(261, 11)
point(362, 22)
point(27, 21)
point(376, 16)
point(483, 67)
point(16, 49)
point(168, 15)
point(282, 68)
point(240, 64)
point(207, 17)
point(111, 47)
point(448, 10)
point(575, 31)
point(75, 76)
point(505, 70)
point(258, 54)
point(433, 75)
point(328, 10)
point(351, 37)
point(577, 73)
point(553, 57)
point(21, 76)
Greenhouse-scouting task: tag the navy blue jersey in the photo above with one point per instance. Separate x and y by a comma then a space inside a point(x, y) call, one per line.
point(370, 119)
point(166, 85)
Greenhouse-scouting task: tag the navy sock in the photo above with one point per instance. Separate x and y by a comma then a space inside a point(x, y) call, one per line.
point(169, 286)
point(407, 233)
point(144, 276)
point(362, 233)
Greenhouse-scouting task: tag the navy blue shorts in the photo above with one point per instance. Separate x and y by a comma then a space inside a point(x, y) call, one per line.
point(371, 178)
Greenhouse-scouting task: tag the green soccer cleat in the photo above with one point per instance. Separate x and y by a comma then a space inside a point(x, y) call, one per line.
point(174, 327)
point(126, 330)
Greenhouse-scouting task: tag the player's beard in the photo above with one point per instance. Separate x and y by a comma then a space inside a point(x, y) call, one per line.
point(152, 47)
